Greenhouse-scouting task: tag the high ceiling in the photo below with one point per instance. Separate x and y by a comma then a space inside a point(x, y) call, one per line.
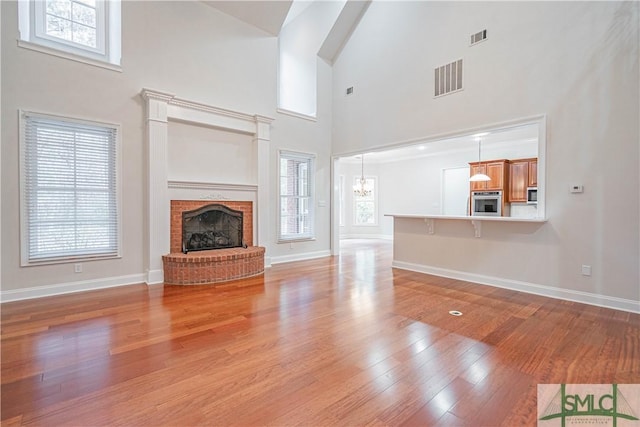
point(267, 15)
point(272, 15)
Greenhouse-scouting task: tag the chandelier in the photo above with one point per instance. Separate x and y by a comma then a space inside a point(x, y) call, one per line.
point(362, 188)
point(479, 177)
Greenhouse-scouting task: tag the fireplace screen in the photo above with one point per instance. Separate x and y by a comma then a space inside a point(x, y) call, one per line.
point(213, 226)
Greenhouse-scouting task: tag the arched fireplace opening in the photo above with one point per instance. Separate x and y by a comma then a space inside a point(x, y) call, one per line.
point(212, 226)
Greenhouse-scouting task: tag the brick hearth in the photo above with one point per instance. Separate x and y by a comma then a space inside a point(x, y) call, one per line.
point(212, 266)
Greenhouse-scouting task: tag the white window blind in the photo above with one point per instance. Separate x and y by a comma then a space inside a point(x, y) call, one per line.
point(296, 196)
point(69, 189)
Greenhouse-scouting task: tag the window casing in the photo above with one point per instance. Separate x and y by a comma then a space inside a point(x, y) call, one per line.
point(296, 196)
point(69, 189)
point(341, 201)
point(83, 30)
point(365, 208)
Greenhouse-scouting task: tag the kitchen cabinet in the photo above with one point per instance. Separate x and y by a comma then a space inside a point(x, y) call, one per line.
point(523, 173)
point(518, 181)
point(476, 168)
point(497, 170)
point(533, 172)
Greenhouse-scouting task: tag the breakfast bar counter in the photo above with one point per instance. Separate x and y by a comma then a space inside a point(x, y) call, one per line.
point(476, 221)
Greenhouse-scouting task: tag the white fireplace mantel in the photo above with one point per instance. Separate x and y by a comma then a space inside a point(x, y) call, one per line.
point(162, 107)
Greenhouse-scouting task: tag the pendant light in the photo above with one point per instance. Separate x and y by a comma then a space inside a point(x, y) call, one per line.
point(480, 177)
point(362, 188)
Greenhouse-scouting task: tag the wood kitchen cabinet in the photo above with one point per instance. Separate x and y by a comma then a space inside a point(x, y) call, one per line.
point(533, 172)
point(523, 173)
point(476, 168)
point(497, 170)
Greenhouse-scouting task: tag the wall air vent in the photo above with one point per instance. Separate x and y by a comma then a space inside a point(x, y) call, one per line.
point(448, 78)
point(478, 37)
point(349, 90)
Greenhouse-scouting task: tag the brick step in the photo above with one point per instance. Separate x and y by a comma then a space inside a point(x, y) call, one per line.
point(213, 266)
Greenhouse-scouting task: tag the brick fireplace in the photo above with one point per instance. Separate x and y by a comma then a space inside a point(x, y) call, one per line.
point(180, 206)
point(216, 265)
point(160, 109)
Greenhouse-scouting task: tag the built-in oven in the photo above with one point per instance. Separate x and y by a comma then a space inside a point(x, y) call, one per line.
point(486, 203)
point(532, 195)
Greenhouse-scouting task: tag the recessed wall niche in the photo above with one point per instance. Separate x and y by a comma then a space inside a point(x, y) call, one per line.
point(205, 154)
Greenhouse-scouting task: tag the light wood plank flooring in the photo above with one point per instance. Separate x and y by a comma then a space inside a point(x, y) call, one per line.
point(344, 341)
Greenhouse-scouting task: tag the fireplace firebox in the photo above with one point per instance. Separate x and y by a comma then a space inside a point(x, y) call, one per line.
point(213, 226)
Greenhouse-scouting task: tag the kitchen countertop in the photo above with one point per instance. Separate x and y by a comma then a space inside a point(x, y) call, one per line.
point(476, 221)
point(469, 218)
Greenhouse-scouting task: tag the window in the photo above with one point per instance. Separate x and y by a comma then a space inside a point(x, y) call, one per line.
point(365, 207)
point(69, 189)
point(296, 196)
point(85, 30)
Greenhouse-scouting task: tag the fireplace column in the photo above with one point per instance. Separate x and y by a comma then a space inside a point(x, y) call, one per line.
point(157, 203)
point(262, 140)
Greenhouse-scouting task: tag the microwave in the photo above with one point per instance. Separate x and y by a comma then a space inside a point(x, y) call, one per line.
point(532, 195)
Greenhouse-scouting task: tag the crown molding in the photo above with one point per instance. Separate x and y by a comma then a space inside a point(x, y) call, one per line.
point(148, 94)
point(171, 99)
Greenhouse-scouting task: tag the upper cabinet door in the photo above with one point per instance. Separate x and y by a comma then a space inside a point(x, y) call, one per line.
point(518, 179)
point(476, 168)
point(496, 171)
point(533, 173)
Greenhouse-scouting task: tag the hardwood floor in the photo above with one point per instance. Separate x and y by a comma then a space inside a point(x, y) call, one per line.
point(336, 341)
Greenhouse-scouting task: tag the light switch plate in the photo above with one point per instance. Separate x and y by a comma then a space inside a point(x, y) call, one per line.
point(576, 188)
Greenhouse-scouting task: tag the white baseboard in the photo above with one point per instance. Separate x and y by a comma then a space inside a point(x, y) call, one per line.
point(367, 236)
point(299, 257)
point(531, 288)
point(154, 277)
point(72, 287)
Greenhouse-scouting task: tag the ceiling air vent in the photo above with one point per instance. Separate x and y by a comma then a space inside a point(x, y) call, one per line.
point(478, 37)
point(448, 78)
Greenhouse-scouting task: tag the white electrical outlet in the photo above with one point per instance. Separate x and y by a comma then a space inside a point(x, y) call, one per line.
point(586, 270)
point(576, 188)
point(77, 268)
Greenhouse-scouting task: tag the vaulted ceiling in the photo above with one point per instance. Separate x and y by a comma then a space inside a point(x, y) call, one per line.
point(272, 15)
point(267, 15)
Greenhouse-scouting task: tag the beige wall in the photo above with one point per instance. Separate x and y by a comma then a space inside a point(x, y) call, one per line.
point(575, 62)
point(184, 47)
